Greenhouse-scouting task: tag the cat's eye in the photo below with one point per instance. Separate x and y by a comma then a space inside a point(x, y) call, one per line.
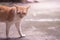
point(23, 13)
point(18, 13)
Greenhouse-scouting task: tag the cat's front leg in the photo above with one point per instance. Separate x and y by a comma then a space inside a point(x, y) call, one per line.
point(8, 25)
point(17, 24)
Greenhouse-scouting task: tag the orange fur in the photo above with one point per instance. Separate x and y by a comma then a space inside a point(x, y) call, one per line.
point(5, 12)
point(12, 15)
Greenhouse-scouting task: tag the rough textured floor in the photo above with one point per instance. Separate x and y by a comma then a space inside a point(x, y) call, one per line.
point(41, 23)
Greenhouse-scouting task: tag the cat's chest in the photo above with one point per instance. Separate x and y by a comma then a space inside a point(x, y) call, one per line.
point(16, 19)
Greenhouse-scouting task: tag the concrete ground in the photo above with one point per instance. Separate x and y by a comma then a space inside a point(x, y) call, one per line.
point(41, 23)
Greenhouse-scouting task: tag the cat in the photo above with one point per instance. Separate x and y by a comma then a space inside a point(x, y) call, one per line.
point(13, 15)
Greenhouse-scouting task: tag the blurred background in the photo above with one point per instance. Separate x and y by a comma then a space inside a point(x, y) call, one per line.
point(41, 23)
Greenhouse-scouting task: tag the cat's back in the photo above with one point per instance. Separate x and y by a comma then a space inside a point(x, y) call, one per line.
point(5, 13)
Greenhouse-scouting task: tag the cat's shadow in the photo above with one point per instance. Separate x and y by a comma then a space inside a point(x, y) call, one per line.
point(23, 38)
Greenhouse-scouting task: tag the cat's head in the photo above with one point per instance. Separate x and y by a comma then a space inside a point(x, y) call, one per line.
point(22, 10)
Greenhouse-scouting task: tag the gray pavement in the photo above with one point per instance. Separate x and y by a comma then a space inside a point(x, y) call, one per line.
point(41, 23)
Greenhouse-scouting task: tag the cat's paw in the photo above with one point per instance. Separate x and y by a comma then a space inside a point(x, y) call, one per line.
point(22, 36)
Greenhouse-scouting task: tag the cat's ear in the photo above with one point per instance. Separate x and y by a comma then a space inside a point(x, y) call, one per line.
point(27, 7)
point(15, 5)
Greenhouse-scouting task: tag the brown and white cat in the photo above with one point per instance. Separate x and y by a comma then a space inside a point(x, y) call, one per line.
point(13, 15)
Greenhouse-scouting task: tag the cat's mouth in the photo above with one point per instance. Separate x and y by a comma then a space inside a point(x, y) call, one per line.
point(21, 15)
